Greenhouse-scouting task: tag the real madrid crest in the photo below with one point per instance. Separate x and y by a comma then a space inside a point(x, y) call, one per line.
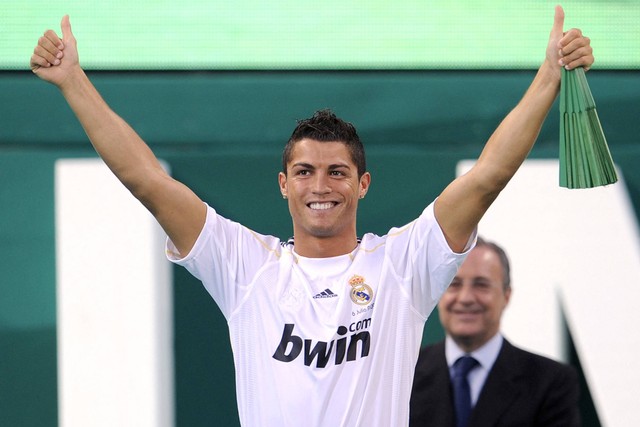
point(361, 293)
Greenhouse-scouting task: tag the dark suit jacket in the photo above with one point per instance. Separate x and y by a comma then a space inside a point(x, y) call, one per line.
point(522, 389)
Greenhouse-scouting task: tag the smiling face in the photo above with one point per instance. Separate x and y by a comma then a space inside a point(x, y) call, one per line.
point(322, 187)
point(471, 308)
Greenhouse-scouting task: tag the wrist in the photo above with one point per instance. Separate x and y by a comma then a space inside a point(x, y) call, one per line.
point(73, 79)
point(550, 73)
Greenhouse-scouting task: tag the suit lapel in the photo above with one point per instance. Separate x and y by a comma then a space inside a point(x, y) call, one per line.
point(500, 389)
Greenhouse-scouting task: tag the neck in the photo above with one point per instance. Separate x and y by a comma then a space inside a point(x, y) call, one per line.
point(468, 345)
point(324, 247)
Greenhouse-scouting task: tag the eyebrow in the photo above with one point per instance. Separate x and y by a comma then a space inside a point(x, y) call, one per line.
point(339, 166)
point(473, 279)
point(331, 167)
point(302, 165)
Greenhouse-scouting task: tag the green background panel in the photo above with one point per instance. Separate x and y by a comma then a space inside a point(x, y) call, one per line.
point(222, 134)
point(305, 34)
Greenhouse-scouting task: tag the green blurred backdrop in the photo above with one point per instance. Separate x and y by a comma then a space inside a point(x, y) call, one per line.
point(216, 87)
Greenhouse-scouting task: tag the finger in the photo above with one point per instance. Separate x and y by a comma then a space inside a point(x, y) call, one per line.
point(572, 45)
point(54, 41)
point(51, 43)
point(576, 50)
point(65, 25)
point(582, 57)
point(37, 62)
point(570, 40)
point(46, 55)
point(558, 22)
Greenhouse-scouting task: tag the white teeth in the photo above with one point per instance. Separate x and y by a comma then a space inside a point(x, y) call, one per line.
point(321, 206)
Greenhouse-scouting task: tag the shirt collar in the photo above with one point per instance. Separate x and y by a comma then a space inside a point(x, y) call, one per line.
point(485, 355)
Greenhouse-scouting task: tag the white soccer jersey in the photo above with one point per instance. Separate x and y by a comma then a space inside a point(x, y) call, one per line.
point(326, 341)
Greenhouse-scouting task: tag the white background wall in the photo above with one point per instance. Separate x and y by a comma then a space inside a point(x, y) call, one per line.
point(114, 304)
point(575, 252)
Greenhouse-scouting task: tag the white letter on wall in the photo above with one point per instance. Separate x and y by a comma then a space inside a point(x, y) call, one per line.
point(575, 252)
point(114, 304)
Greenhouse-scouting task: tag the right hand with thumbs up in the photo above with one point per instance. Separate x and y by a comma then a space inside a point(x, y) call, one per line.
point(54, 59)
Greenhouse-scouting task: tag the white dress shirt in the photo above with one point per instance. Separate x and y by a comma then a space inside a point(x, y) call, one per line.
point(486, 357)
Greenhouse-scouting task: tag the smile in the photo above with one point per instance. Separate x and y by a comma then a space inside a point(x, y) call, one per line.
point(322, 206)
point(466, 313)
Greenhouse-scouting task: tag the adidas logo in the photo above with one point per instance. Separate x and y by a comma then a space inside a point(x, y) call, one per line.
point(325, 294)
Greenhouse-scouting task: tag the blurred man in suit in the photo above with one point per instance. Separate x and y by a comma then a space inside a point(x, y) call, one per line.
point(506, 386)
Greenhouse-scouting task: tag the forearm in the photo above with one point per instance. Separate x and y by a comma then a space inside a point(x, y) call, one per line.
point(178, 210)
point(124, 152)
point(464, 202)
point(512, 141)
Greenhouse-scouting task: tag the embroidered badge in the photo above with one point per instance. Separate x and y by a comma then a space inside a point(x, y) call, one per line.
point(361, 293)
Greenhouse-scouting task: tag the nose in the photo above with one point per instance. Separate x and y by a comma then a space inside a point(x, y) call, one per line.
point(321, 184)
point(465, 294)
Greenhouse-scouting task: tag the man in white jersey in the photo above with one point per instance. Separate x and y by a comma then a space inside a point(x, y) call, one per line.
point(325, 329)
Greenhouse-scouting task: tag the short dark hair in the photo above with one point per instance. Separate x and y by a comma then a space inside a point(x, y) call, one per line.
point(325, 126)
point(504, 260)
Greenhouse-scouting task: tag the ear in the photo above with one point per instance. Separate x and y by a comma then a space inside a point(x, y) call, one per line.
point(507, 296)
point(282, 183)
point(365, 182)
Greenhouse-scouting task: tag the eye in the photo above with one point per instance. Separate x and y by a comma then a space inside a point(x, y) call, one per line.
point(482, 285)
point(455, 285)
point(336, 173)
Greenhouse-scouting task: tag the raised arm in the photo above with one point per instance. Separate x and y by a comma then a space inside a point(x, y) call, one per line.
point(463, 203)
point(178, 210)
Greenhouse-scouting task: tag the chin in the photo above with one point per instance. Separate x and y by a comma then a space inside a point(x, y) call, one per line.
point(466, 332)
point(322, 232)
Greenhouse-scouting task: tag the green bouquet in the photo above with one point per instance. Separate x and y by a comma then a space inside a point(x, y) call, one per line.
point(585, 160)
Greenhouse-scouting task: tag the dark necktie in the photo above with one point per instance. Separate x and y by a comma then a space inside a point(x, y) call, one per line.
point(461, 391)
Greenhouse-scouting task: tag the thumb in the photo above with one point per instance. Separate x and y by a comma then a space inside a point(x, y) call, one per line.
point(66, 28)
point(558, 23)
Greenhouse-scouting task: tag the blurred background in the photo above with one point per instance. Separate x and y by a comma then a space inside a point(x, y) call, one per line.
point(215, 88)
